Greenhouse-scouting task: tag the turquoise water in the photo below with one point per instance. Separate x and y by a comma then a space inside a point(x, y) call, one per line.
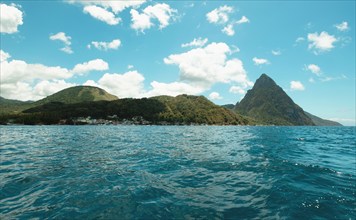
point(165, 172)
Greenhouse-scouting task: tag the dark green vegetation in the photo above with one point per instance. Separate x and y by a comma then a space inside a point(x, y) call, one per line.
point(182, 109)
point(265, 104)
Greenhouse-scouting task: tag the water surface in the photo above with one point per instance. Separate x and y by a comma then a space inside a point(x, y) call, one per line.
point(185, 172)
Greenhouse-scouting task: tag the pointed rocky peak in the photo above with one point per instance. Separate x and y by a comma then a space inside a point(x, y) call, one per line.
point(264, 81)
point(269, 104)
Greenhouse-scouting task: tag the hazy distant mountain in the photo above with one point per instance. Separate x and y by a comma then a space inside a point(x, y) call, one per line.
point(322, 122)
point(269, 104)
point(228, 106)
point(13, 106)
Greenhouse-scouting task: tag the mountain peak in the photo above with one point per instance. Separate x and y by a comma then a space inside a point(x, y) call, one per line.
point(269, 104)
point(265, 81)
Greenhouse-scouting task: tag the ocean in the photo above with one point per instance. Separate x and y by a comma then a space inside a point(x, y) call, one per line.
point(177, 172)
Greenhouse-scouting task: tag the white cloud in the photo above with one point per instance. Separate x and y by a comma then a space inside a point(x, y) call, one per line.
point(237, 90)
point(101, 14)
point(229, 30)
point(127, 85)
point(24, 91)
point(11, 17)
point(321, 42)
point(4, 56)
point(19, 91)
point(244, 19)
point(17, 70)
point(18, 77)
point(61, 36)
point(93, 65)
point(260, 61)
point(343, 26)
point(314, 69)
point(214, 96)
point(107, 11)
point(130, 67)
point(196, 42)
point(205, 66)
point(172, 89)
point(296, 86)
point(219, 15)
point(115, 6)
point(161, 12)
point(13, 71)
point(140, 21)
point(276, 52)
point(300, 39)
point(113, 45)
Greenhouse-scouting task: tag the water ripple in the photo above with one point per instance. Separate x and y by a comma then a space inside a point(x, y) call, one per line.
point(165, 172)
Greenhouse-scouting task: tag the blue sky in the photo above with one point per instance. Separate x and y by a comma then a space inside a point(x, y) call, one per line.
point(212, 48)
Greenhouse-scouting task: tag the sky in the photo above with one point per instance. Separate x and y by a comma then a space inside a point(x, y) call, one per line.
point(213, 48)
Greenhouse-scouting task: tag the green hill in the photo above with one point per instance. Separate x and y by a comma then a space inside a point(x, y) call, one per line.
point(78, 94)
point(182, 110)
point(71, 95)
point(322, 122)
point(268, 104)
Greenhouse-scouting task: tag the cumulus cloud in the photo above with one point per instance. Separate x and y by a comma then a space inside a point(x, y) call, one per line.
point(115, 6)
point(314, 69)
point(237, 90)
point(45, 88)
point(205, 66)
point(196, 42)
point(172, 89)
point(321, 42)
point(214, 96)
point(161, 12)
point(299, 39)
point(61, 36)
point(101, 14)
point(276, 52)
point(343, 26)
point(113, 45)
point(243, 19)
point(296, 86)
point(140, 21)
point(18, 77)
point(11, 17)
point(4, 56)
point(106, 11)
point(19, 91)
point(93, 65)
point(260, 61)
point(229, 30)
point(126, 85)
point(219, 15)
